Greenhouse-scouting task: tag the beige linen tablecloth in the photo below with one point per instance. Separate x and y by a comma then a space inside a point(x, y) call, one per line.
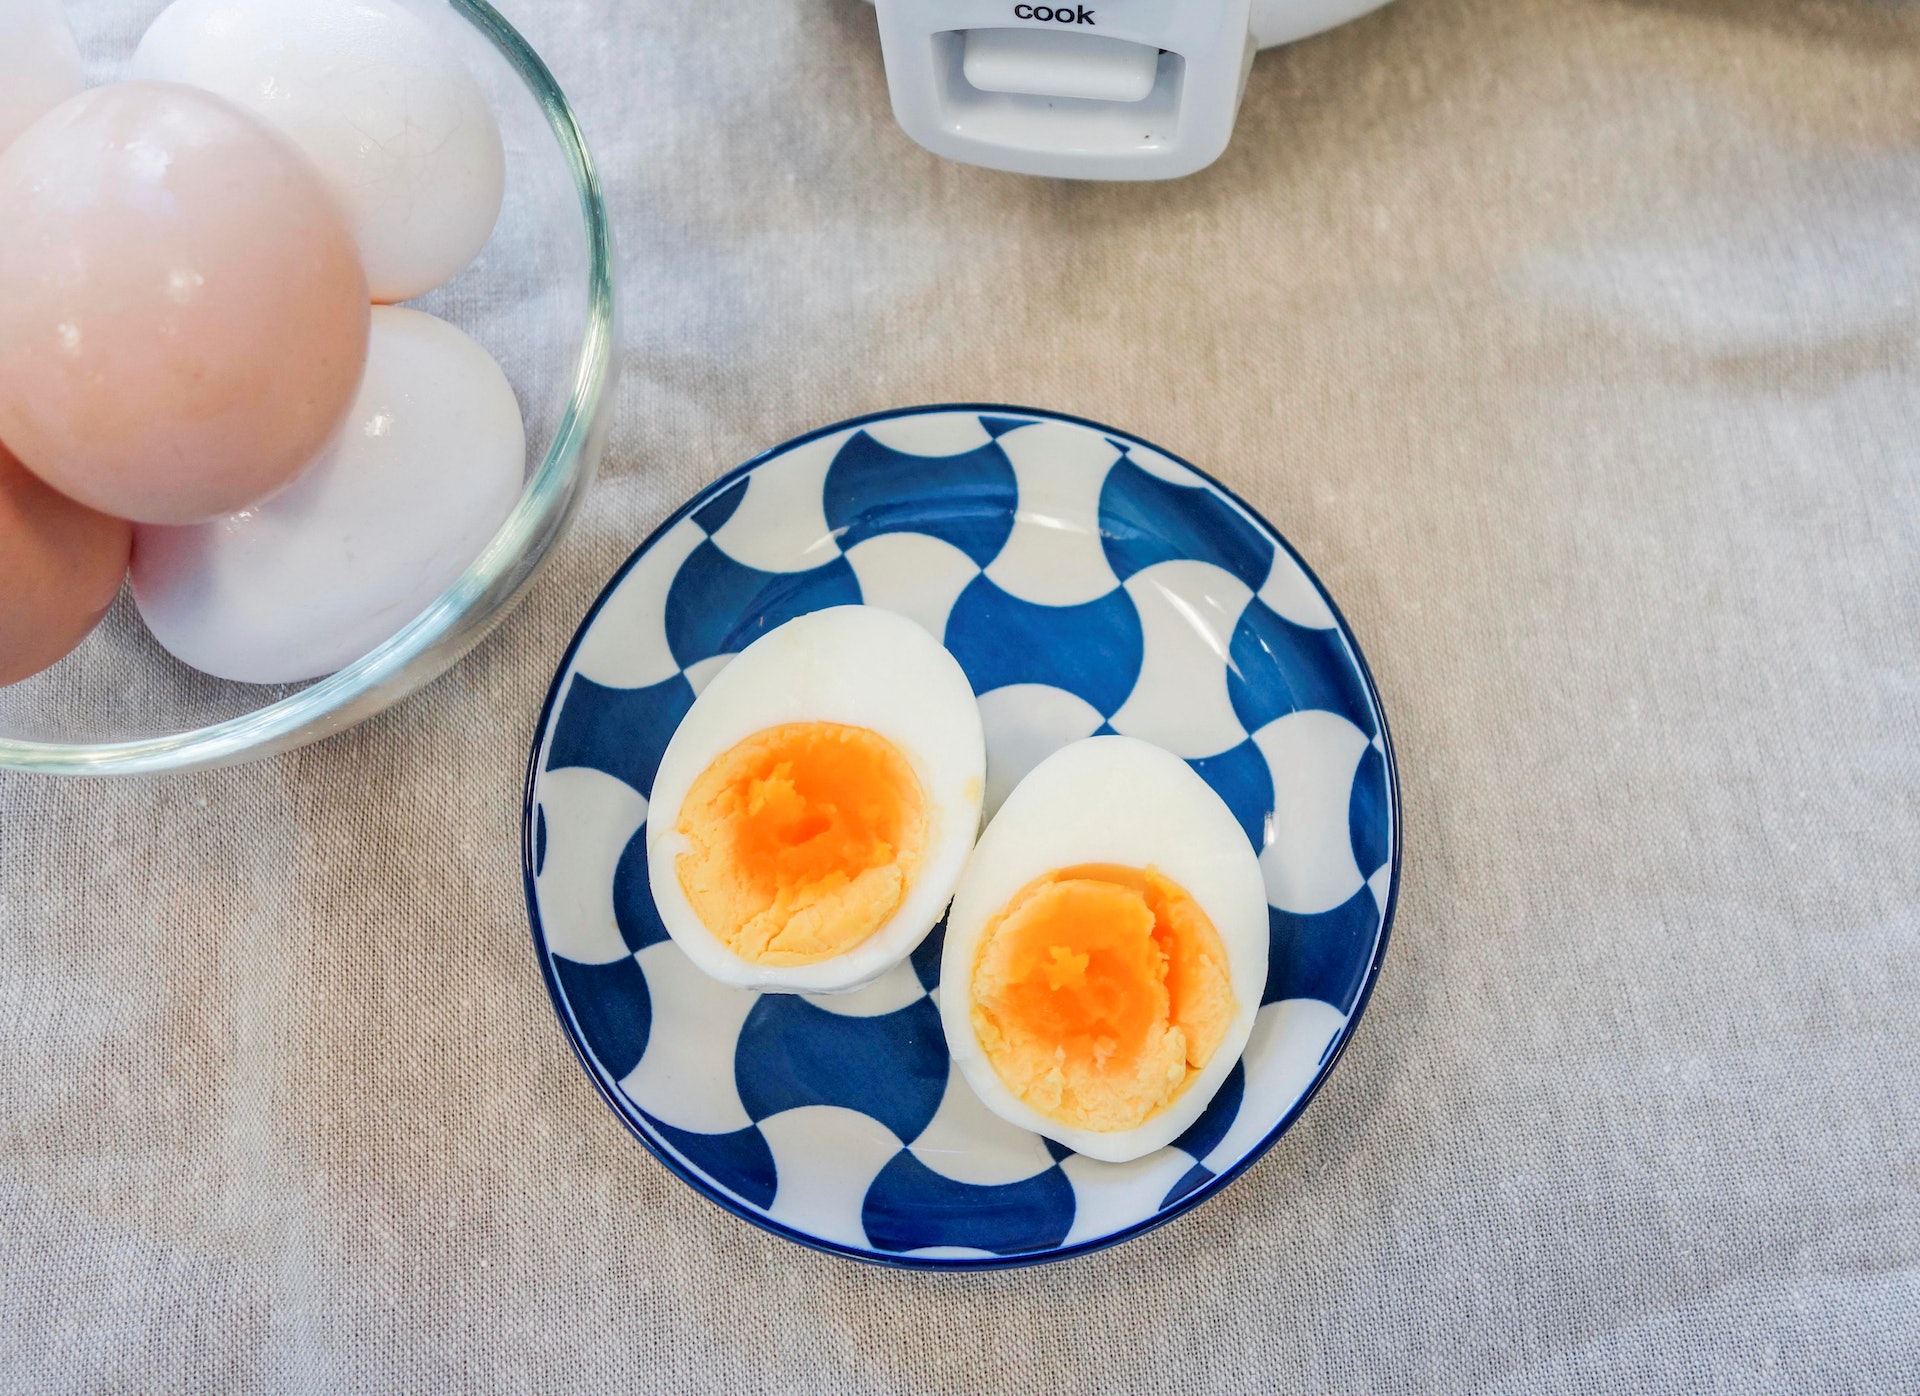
point(1573, 341)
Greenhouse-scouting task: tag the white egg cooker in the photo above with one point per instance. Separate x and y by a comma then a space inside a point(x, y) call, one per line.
point(1106, 89)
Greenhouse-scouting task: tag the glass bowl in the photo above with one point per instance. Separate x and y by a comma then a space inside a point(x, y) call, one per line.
point(539, 297)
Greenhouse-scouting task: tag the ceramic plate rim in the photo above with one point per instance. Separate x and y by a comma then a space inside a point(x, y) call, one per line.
point(609, 1091)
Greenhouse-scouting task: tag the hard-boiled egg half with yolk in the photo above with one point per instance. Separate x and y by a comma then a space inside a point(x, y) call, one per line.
point(816, 805)
point(1106, 950)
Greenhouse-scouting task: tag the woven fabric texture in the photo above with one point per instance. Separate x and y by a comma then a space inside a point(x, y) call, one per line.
point(1590, 331)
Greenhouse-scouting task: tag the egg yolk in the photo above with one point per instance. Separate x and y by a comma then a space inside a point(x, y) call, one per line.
point(1098, 993)
point(802, 841)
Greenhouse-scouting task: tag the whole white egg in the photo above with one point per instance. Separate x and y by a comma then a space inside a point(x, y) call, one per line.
point(814, 808)
point(39, 63)
point(1079, 979)
point(429, 463)
point(396, 124)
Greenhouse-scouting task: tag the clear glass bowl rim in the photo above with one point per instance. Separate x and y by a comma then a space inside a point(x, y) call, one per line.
point(436, 639)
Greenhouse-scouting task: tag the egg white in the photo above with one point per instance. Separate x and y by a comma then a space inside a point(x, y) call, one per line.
point(862, 667)
point(1110, 800)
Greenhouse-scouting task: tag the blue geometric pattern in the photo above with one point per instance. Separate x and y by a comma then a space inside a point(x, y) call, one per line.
point(1279, 668)
point(838, 1122)
point(611, 1009)
point(1092, 651)
point(633, 909)
point(892, 1066)
point(1204, 1133)
point(1241, 778)
point(1321, 956)
point(1368, 821)
point(740, 1161)
point(713, 515)
point(926, 959)
point(622, 731)
point(966, 500)
point(910, 1207)
point(719, 606)
point(1190, 1183)
point(1144, 520)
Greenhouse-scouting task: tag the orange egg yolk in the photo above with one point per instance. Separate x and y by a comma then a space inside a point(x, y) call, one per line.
point(1098, 993)
point(802, 841)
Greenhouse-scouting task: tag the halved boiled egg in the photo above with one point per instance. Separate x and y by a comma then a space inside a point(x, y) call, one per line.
point(816, 805)
point(1106, 950)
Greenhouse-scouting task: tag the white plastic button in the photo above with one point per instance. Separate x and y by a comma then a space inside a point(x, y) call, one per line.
point(1047, 63)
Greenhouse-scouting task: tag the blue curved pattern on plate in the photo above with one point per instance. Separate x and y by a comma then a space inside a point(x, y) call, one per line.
point(611, 1009)
point(966, 499)
point(892, 1067)
point(1240, 776)
point(910, 1207)
point(633, 909)
point(1320, 957)
point(1093, 650)
point(840, 1123)
point(740, 1162)
point(926, 957)
point(622, 731)
point(719, 606)
point(1367, 822)
point(1277, 667)
point(1144, 520)
point(1206, 1132)
point(713, 515)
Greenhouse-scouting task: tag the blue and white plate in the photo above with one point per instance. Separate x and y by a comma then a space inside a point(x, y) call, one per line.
point(1087, 582)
